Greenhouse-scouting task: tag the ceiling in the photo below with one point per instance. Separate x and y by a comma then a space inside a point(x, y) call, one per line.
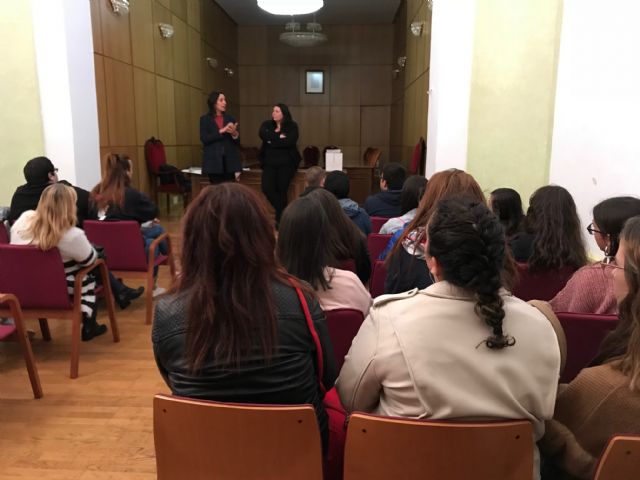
point(334, 12)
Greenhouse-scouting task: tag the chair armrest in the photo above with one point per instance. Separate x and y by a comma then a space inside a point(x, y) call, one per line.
point(155, 243)
point(80, 274)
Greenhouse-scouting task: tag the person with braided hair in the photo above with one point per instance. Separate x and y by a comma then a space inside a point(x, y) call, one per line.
point(463, 347)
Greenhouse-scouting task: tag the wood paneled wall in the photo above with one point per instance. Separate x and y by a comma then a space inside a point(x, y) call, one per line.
point(355, 110)
point(150, 86)
point(410, 102)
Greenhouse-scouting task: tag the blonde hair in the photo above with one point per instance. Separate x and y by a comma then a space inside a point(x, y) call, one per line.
point(55, 214)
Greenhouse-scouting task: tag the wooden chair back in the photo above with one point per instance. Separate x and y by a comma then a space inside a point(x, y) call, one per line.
point(198, 439)
point(380, 448)
point(620, 459)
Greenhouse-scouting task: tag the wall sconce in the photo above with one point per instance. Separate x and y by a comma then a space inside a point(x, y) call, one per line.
point(395, 72)
point(166, 30)
point(120, 7)
point(430, 4)
point(417, 28)
point(213, 63)
point(229, 72)
point(402, 61)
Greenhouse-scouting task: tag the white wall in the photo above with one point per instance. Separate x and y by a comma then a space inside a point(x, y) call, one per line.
point(450, 83)
point(596, 138)
point(64, 58)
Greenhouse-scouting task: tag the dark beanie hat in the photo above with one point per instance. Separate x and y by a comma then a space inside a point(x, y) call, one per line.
point(37, 170)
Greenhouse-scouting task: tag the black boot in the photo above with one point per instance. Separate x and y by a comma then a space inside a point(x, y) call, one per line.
point(127, 294)
point(90, 326)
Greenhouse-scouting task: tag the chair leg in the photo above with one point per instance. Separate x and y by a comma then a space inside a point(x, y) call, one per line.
point(75, 343)
point(44, 328)
point(168, 203)
point(149, 299)
point(25, 344)
point(109, 300)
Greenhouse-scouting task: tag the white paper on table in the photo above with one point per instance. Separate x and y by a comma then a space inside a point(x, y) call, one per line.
point(333, 160)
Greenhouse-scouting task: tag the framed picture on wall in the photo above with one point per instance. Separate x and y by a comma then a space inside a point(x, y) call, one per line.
point(314, 81)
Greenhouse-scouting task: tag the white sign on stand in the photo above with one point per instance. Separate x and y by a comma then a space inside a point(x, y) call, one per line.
point(333, 160)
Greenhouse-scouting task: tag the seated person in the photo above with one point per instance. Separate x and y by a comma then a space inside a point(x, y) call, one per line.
point(304, 248)
point(53, 224)
point(603, 400)
point(337, 182)
point(386, 203)
point(412, 192)
point(40, 173)
point(313, 178)
point(236, 330)
point(463, 348)
point(589, 290)
point(507, 205)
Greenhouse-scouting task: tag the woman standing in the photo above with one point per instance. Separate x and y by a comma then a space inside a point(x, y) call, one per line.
point(219, 136)
point(279, 156)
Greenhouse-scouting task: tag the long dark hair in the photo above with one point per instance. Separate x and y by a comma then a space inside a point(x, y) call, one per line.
point(211, 101)
point(345, 238)
point(507, 205)
point(468, 242)
point(303, 241)
point(287, 119)
point(553, 220)
point(610, 216)
point(228, 266)
point(412, 192)
point(110, 191)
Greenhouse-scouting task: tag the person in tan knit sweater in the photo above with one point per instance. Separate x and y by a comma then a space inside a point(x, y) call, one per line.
point(604, 400)
point(589, 290)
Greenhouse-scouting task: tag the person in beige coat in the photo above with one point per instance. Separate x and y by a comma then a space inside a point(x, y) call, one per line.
point(462, 348)
point(603, 401)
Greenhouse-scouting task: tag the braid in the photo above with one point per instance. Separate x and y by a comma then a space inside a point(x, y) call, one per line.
point(468, 241)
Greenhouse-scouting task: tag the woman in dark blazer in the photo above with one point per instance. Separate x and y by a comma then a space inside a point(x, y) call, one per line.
point(279, 156)
point(219, 136)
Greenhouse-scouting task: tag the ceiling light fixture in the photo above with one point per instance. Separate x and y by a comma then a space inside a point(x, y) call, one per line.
point(300, 38)
point(290, 7)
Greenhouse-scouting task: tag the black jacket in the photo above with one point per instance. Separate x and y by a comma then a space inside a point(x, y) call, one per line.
point(137, 206)
point(384, 204)
point(27, 196)
point(406, 272)
point(276, 151)
point(290, 377)
point(220, 151)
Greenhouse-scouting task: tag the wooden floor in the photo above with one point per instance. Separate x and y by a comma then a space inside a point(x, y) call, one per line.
point(99, 426)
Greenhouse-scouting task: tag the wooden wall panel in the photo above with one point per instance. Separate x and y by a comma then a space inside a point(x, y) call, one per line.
point(376, 44)
point(252, 83)
point(144, 182)
point(180, 41)
point(144, 84)
point(252, 45)
point(397, 117)
point(184, 157)
point(163, 47)
point(282, 84)
point(120, 102)
point(197, 109)
point(183, 113)
point(375, 126)
point(346, 41)
point(196, 60)
point(179, 8)
point(279, 53)
point(165, 3)
point(166, 110)
point(250, 119)
point(96, 27)
point(193, 14)
point(345, 85)
point(116, 41)
point(314, 126)
point(375, 85)
point(141, 15)
point(101, 96)
point(351, 155)
point(345, 126)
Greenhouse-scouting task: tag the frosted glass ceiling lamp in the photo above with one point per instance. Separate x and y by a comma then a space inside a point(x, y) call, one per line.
point(290, 7)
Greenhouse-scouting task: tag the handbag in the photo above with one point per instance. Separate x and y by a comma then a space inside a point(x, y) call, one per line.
point(314, 333)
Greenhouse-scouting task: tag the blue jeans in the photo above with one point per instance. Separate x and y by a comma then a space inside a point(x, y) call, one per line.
point(150, 234)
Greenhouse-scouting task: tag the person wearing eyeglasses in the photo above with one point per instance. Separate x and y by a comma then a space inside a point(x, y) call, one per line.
point(589, 290)
point(603, 400)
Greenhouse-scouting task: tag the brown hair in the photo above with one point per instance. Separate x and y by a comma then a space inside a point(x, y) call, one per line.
point(630, 305)
point(228, 266)
point(110, 191)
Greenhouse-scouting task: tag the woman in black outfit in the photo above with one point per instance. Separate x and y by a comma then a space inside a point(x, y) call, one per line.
point(219, 136)
point(279, 156)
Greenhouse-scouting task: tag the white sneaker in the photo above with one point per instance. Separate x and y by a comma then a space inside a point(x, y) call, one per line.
point(158, 291)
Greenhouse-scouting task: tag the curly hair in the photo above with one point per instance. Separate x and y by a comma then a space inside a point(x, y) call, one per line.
point(468, 241)
point(553, 220)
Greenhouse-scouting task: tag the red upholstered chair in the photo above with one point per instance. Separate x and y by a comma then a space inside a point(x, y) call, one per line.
point(584, 332)
point(417, 159)
point(343, 325)
point(377, 223)
point(4, 232)
point(349, 265)
point(311, 156)
point(124, 248)
point(378, 276)
point(376, 243)
point(156, 160)
point(620, 459)
point(541, 285)
point(381, 448)
point(17, 329)
point(201, 440)
point(38, 280)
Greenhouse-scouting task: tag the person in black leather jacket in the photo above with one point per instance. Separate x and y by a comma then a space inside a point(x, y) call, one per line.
point(232, 329)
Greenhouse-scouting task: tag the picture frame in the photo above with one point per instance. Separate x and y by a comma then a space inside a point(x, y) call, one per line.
point(314, 82)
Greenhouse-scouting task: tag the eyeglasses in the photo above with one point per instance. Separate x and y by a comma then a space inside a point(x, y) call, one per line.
point(608, 268)
point(55, 170)
point(592, 230)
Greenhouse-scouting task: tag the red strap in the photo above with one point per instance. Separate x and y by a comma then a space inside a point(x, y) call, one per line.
point(314, 334)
